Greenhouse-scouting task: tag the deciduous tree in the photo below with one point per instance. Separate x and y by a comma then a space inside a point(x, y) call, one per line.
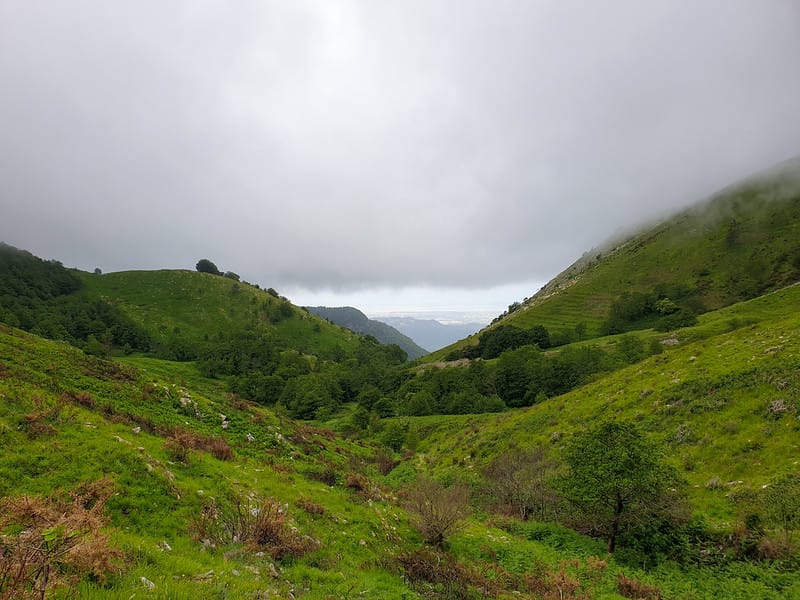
point(616, 476)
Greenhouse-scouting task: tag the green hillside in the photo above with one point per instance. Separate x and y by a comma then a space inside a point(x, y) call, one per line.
point(151, 481)
point(741, 243)
point(187, 435)
point(185, 309)
point(724, 399)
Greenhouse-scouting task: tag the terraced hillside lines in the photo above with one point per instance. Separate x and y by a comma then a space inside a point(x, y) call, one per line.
point(726, 405)
point(195, 307)
point(741, 243)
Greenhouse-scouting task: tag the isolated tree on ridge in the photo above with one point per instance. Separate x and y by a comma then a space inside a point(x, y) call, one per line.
point(206, 266)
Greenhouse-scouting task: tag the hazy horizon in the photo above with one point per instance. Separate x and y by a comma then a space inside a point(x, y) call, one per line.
point(417, 157)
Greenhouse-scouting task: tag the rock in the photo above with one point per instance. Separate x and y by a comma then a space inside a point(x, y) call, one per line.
point(203, 576)
point(147, 583)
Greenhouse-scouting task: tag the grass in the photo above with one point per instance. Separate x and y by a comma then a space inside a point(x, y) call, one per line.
point(360, 537)
point(722, 398)
point(708, 400)
point(737, 245)
point(192, 308)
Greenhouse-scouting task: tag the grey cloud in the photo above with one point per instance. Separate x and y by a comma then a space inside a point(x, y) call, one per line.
point(359, 144)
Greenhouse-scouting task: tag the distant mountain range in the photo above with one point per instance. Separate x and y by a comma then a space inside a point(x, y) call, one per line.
point(430, 333)
point(354, 320)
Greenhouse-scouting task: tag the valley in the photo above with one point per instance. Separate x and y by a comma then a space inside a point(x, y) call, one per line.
point(183, 434)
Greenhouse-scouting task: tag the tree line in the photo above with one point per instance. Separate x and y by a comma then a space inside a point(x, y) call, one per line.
point(45, 298)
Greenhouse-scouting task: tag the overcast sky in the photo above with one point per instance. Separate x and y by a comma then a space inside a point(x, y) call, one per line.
point(385, 154)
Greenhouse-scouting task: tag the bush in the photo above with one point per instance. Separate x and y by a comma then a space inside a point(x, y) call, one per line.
point(311, 507)
point(261, 526)
point(181, 441)
point(206, 266)
point(520, 482)
point(632, 588)
point(384, 461)
point(438, 510)
point(425, 567)
point(55, 541)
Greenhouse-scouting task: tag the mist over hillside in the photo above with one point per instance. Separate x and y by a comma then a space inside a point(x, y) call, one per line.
point(263, 430)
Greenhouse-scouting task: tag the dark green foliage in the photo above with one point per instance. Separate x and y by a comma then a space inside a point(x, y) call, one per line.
point(631, 349)
point(520, 377)
point(781, 503)
point(494, 342)
point(526, 374)
point(666, 308)
point(394, 435)
point(261, 366)
point(22, 275)
point(46, 299)
point(616, 478)
point(515, 374)
point(682, 318)
point(315, 395)
point(449, 391)
point(231, 275)
point(242, 353)
point(206, 266)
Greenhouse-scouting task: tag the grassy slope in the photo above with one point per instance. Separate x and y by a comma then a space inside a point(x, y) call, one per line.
point(157, 498)
point(195, 306)
point(694, 248)
point(708, 398)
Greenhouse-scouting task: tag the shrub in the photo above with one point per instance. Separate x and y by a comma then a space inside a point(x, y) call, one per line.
point(385, 462)
point(356, 481)
point(632, 588)
point(781, 503)
point(85, 399)
point(219, 448)
point(182, 440)
point(425, 567)
point(206, 266)
point(310, 506)
point(520, 482)
point(327, 475)
point(261, 526)
point(35, 425)
point(55, 541)
point(438, 510)
point(178, 445)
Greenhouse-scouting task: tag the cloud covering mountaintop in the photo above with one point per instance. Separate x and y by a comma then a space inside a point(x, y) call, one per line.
point(354, 145)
